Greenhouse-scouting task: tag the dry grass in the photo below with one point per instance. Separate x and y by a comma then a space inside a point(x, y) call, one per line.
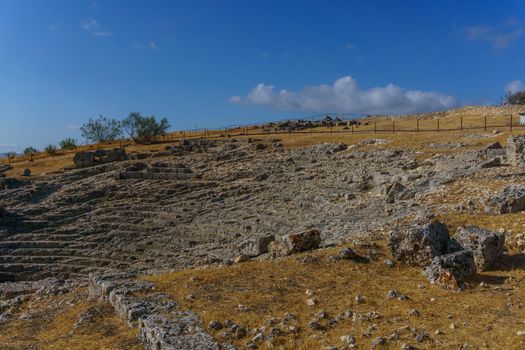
point(271, 288)
point(51, 326)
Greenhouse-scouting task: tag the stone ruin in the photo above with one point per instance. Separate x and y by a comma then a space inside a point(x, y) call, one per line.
point(91, 158)
point(157, 171)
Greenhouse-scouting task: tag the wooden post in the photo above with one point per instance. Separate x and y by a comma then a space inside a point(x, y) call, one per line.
point(375, 127)
point(417, 124)
point(461, 125)
point(331, 129)
point(393, 126)
point(511, 122)
point(438, 124)
point(352, 128)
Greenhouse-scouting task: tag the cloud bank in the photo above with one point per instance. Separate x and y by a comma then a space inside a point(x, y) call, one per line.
point(345, 96)
point(514, 86)
point(94, 28)
point(499, 36)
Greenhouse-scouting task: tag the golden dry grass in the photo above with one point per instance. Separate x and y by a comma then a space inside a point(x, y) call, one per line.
point(51, 326)
point(271, 288)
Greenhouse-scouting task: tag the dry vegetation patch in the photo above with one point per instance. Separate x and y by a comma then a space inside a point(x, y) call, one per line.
point(251, 293)
point(66, 321)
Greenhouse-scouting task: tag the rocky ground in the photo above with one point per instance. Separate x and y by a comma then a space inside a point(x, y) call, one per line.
point(223, 202)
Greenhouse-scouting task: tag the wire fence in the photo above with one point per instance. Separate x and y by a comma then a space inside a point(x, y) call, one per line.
point(353, 126)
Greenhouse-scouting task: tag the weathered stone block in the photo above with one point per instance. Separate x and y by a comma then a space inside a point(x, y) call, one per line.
point(487, 247)
point(417, 244)
point(450, 271)
point(84, 159)
point(295, 243)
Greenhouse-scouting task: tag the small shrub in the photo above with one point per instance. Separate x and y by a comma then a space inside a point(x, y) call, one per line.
point(30, 150)
point(51, 150)
point(68, 143)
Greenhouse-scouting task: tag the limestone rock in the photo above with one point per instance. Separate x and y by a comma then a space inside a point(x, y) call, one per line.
point(516, 150)
point(417, 244)
point(486, 246)
point(491, 163)
point(451, 270)
point(256, 246)
point(509, 200)
point(295, 243)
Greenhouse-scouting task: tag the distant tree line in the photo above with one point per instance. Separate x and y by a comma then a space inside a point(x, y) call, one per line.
point(137, 127)
point(102, 129)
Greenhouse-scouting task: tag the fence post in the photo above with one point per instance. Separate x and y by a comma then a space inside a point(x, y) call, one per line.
point(375, 127)
point(331, 129)
point(352, 128)
point(438, 124)
point(393, 126)
point(485, 123)
point(511, 122)
point(461, 125)
point(417, 124)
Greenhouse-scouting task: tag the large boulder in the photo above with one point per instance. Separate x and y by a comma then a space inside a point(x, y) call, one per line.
point(114, 155)
point(509, 200)
point(418, 243)
point(486, 246)
point(450, 271)
point(516, 150)
point(295, 243)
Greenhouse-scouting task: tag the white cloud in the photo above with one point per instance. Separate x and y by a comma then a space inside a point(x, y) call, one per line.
point(94, 28)
point(73, 127)
point(349, 47)
point(235, 99)
point(514, 86)
point(344, 95)
point(499, 36)
point(152, 45)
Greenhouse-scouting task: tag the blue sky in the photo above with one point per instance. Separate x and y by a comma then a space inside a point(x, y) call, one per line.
point(216, 63)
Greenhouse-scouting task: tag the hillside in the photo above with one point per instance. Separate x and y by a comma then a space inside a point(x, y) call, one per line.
point(242, 241)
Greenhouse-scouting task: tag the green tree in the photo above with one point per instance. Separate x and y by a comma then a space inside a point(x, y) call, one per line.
point(101, 130)
point(11, 154)
point(68, 143)
point(30, 150)
point(517, 98)
point(51, 150)
point(144, 129)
